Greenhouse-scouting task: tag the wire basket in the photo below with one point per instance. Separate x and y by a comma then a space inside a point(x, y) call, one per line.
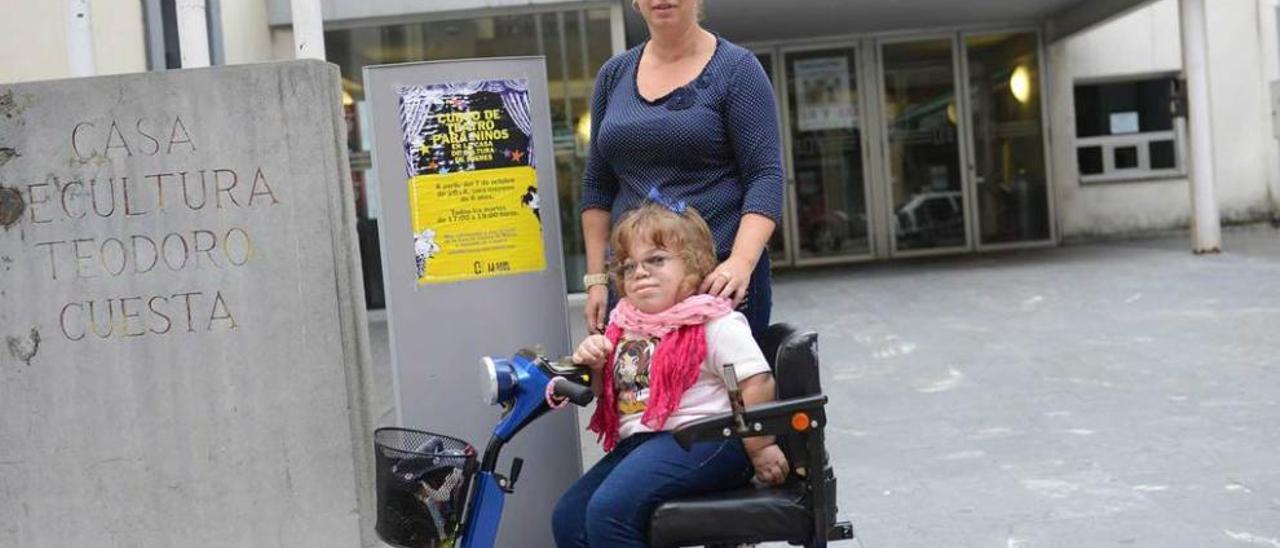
point(422, 480)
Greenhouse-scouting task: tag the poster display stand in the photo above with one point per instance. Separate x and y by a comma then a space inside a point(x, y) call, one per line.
point(471, 255)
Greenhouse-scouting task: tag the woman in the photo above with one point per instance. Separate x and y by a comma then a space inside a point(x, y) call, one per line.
point(693, 115)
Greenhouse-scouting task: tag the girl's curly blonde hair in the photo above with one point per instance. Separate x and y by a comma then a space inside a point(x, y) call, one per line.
point(685, 234)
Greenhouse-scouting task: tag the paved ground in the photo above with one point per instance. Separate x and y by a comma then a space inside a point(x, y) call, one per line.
point(1097, 395)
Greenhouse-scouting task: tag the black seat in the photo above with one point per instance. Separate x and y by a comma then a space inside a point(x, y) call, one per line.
point(802, 510)
point(745, 515)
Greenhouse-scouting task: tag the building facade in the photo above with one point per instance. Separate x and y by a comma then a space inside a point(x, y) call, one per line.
point(1129, 65)
point(903, 135)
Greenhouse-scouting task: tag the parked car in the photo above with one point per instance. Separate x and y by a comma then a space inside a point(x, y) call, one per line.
point(931, 217)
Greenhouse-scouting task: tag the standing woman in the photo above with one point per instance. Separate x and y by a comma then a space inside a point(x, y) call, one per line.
point(694, 116)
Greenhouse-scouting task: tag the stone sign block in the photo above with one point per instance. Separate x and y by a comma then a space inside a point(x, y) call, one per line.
point(183, 351)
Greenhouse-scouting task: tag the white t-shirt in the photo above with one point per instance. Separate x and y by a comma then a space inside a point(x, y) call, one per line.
point(728, 341)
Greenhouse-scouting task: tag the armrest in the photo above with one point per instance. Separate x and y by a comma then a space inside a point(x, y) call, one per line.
point(767, 419)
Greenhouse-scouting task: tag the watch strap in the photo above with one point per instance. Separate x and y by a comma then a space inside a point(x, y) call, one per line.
point(589, 280)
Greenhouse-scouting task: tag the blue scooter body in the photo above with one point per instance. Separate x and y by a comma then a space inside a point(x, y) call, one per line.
point(519, 384)
point(485, 513)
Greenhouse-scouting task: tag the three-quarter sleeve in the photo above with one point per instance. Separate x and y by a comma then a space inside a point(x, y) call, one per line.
point(599, 182)
point(751, 121)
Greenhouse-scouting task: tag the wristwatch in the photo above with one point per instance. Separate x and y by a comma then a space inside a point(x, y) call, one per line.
point(589, 280)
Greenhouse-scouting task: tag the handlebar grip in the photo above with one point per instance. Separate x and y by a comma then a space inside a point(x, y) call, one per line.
point(576, 393)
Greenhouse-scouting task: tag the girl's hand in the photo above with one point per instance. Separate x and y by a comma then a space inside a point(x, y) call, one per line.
point(770, 464)
point(594, 311)
point(729, 280)
point(593, 352)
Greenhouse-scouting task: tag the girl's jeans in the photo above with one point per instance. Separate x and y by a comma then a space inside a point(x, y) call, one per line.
point(611, 504)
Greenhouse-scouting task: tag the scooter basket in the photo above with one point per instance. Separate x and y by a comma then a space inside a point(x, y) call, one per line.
point(422, 481)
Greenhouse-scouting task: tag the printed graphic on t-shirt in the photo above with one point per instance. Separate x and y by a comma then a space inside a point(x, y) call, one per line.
point(631, 374)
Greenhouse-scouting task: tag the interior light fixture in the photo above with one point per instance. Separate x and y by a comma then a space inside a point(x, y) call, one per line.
point(584, 128)
point(1020, 84)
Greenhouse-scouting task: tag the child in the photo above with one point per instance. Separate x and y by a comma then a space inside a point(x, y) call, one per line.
point(657, 367)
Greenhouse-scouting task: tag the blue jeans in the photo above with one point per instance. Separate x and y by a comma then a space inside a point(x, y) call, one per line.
point(610, 505)
point(757, 306)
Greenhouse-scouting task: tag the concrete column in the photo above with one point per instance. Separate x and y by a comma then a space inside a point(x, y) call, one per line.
point(1205, 223)
point(308, 29)
point(193, 33)
point(80, 39)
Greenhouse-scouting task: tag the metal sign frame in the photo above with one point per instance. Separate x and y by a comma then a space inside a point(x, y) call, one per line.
point(439, 332)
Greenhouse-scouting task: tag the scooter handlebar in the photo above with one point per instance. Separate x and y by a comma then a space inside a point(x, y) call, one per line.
point(576, 393)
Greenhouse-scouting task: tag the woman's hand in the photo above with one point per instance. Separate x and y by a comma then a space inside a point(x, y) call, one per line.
point(594, 311)
point(729, 280)
point(770, 464)
point(593, 352)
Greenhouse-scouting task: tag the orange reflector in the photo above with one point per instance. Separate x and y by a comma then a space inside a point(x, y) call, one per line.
point(800, 422)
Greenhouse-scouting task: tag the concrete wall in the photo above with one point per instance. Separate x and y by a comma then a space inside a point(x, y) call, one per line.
point(246, 36)
point(1242, 51)
point(1269, 35)
point(1244, 146)
point(119, 37)
point(282, 42)
point(119, 43)
point(186, 354)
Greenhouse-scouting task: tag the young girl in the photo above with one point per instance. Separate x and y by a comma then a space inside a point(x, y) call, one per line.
point(657, 367)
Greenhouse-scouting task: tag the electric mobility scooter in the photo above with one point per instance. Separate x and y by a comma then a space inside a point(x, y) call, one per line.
point(435, 491)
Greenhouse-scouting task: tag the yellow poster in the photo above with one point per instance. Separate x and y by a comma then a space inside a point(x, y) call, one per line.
point(473, 187)
point(476, 224)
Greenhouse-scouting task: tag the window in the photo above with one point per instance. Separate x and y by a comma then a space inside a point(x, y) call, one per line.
point(1125, 130)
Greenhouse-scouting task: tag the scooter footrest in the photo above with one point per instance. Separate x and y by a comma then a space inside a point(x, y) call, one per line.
point(840, 531)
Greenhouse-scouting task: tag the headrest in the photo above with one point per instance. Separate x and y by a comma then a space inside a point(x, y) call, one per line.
point(796, 371)
point(772, 339)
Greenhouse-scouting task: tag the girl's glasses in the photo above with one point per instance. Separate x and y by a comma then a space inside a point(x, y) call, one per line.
point(651, 264)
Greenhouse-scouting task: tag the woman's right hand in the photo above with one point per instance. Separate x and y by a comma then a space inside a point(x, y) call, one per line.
point(594, 311)
point(593, 352)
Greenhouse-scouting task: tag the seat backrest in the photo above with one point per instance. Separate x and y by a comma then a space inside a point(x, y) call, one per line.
point(795, 371)
point(771, 340)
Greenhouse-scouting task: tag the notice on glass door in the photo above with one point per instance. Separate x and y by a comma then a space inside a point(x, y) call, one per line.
point(824, 99)
point(473, 191)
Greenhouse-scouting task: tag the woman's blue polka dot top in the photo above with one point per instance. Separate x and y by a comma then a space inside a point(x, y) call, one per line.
point(713, 143)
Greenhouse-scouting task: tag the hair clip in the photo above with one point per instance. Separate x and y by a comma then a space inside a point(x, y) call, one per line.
point(657, 197)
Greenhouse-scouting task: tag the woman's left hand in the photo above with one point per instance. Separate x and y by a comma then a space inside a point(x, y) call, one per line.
point(770, 464)
point(729, 280)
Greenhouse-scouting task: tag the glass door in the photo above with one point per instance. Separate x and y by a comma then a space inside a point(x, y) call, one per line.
point(921, 122)
point(824, 131)
point(1009, 173)
point(953, 159)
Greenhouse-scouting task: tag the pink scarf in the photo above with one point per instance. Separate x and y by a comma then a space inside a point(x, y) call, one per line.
point(675, 363)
